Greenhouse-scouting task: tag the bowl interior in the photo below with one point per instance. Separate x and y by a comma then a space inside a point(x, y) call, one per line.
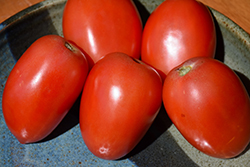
point(162, 145)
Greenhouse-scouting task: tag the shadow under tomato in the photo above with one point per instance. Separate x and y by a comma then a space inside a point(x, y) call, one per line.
point(161, 123)
point(69, 121)
point(220, 47)
point(246, 82)
point(158, 147)
point(144, 13)
point(163, 152)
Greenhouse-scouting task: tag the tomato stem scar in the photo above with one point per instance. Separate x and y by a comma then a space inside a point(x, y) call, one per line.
point(136, 60)
point(184, 70)
point(69, 46)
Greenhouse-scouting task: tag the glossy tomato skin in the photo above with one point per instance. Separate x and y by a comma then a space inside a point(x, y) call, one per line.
point(100, 27)
point(120, 100)
point(210, 106)
point(42, 87)
point(176, 31)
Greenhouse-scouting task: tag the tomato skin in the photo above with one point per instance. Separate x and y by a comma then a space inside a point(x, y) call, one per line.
point(42, 87)
point(100, 27)
point(210, 106)
point(120, 100)
point(176, 31)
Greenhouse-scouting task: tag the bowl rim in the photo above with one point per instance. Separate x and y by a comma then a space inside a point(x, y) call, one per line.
point(19, 16)
point(223, 20)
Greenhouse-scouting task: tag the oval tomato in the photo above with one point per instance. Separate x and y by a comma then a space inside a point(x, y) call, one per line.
point(209, 105)
point(120, 100)
point(100, 27)
point(42, 87)
point(176, 31)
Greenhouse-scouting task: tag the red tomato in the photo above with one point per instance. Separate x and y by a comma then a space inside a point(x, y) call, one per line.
point(209, 105)
point(176, 31)
point(100, 27)
point(120, 100)
point(42, 87)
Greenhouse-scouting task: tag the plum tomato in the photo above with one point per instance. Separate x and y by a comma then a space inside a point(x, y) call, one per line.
point(42, 87)
point(209, 105)
point(100, 27)
point(176, 31)
point(120, 100)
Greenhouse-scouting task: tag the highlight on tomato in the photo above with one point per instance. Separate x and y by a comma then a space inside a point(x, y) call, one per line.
point(100, 27)
point(209, 105)
point(176, 31)
point(42, 87)
point(120, 100)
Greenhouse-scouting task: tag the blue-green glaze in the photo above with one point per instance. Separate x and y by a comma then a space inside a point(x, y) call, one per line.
point(162, 145)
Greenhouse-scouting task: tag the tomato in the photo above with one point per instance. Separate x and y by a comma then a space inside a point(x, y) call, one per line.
point(176, 31)
point(100, 27)
point(209, 105)
point(42, 87)
point(120, 100)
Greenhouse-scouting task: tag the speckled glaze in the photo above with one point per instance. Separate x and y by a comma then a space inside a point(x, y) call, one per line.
point(162, 145)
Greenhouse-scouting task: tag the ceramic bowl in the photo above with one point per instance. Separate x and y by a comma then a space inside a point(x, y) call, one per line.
point(162, 145)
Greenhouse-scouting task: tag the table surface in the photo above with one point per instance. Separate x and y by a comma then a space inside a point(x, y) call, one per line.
point(236, 10)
